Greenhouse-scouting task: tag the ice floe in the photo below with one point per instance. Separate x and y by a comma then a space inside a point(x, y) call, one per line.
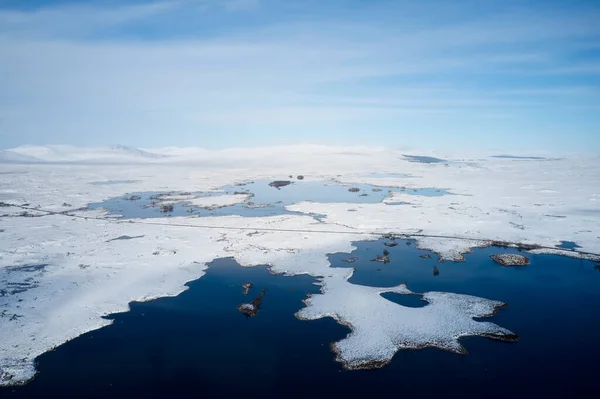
point(380, 327)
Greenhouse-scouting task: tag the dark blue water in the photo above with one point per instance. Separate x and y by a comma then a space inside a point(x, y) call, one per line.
point(266, 200)
point(197, 344)
point(568, 245)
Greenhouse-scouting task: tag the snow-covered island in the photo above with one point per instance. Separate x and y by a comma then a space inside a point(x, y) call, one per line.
point(62, 266)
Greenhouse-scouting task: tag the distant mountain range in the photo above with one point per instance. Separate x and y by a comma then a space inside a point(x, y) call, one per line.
point(67, 153)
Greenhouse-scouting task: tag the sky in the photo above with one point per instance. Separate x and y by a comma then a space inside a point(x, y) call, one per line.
point(494, 75)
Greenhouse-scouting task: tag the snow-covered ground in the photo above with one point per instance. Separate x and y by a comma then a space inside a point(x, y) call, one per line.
point(59, 273)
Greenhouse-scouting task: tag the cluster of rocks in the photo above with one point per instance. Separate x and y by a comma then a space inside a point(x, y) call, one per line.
point(381, 258)
point(251, 309)
point(166, 208)
point(354, 189)
point(133, 198)
point(280, 183)
point(510, 259)
point(247, 287)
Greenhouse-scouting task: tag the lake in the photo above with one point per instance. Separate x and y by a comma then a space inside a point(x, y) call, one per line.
point(265, 200)
point(198, 344)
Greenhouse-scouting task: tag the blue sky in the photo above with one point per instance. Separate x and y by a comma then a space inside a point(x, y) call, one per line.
point(495, 75)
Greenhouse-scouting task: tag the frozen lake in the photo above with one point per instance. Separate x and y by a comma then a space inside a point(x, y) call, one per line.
point(263, 200)
point(67, 269)
point(199, 342)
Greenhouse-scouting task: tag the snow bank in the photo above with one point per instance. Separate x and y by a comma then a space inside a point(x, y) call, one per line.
point(69, 271)
point(380, 327)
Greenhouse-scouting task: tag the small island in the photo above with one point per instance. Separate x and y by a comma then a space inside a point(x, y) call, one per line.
point(510, 259)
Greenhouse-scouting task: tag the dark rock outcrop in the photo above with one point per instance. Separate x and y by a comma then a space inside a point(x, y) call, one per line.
point(251, 309)
point(382, 259)
point(510, 259)
point(166, 208)
point(280, 183)
point(247, 287)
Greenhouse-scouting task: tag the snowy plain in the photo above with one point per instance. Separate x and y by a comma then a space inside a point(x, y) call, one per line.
point(60, 272)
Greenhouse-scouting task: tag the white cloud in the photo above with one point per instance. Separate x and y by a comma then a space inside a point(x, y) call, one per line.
point(63, 76)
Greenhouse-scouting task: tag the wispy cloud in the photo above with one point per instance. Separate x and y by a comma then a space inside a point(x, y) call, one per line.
point(220, 73)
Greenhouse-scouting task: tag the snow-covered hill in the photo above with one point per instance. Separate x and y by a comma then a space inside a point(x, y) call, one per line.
point(9, 156)
point(68, 153)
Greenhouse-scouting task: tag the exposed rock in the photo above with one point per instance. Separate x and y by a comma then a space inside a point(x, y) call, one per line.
point(506, 244)
point(390, 244)
point(510, 259)
point(382, 259)
point(280, 183)
point(354, 189)
point(247, 287)
point(133, 198)
point(66, 204)
point(300, 177)
point(291, 177)
point(248, 309)
point(350, 260)
point(436, 271)
point(166, 208)
point(386, 252)
point(425, 256)
point(389, 236)
point(408, 243)
point(160, 196)
point(597, 267)
point(251, 309)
